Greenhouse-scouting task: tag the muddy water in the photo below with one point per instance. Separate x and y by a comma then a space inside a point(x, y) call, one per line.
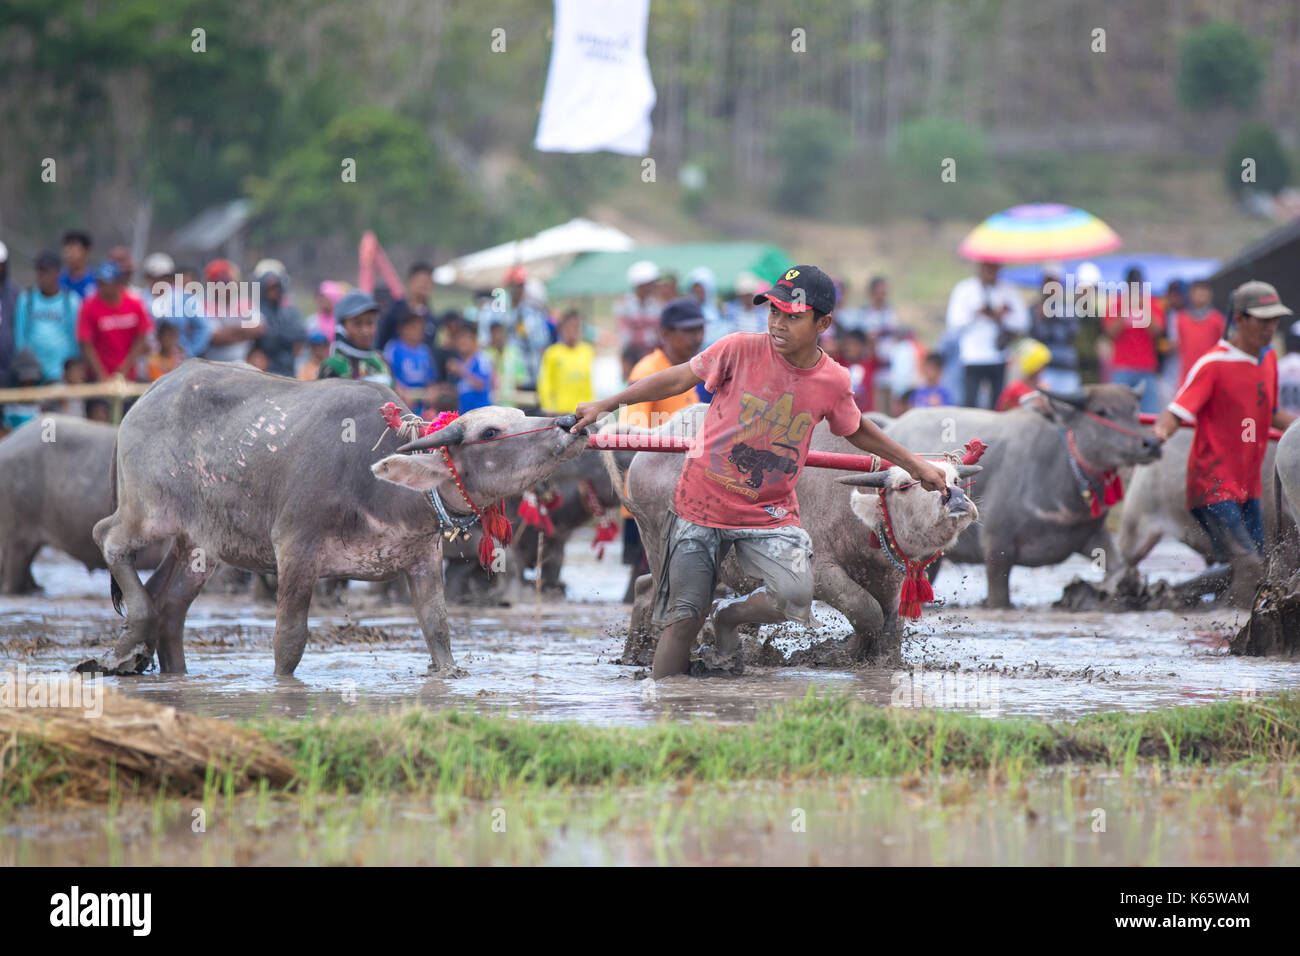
point(1056, 818)
point(557, 660)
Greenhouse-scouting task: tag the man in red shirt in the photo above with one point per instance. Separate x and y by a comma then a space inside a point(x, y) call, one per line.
point(1230, 394)
point(737, 488)
point(113, 325)
point(1198, 327)
point(1135, 324)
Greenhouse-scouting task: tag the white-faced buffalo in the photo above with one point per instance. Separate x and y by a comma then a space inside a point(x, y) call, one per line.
point(304, 479)
point(1049, 474)
point(53, 488)
point(857, 563)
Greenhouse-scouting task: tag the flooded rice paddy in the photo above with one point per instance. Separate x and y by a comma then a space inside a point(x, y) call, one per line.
point(552, 660)
point(558, 660)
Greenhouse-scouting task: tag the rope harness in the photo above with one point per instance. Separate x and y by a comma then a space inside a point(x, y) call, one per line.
point(1099, 488)
point(916, 590)
point(497, 532)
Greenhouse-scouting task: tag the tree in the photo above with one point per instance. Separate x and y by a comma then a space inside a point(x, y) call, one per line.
point(1258, 146)
point(368, 169)
point(1219, 65)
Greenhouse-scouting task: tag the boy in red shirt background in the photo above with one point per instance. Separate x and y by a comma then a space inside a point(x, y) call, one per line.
point(737, 488)
point(1198, 327)
point(113, 325)
point(1230, 394)
point(1135, 325)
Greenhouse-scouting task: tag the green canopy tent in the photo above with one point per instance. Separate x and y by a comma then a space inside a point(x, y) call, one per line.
point(605, 273)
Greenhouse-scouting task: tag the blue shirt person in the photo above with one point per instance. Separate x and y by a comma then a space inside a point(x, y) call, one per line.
point(45, 320)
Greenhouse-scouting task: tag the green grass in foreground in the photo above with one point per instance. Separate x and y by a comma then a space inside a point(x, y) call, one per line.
point(475, 755)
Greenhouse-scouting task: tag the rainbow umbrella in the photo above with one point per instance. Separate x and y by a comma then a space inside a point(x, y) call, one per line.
point(1037, 232)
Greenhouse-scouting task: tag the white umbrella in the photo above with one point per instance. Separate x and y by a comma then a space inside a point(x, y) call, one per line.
point(543, 254)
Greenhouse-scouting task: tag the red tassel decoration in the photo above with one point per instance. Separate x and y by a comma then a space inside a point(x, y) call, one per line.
point(916, 591)
point(496, 524)
point(486, 551)
point(1114, 490)
point(606, 530)
point(528, 510)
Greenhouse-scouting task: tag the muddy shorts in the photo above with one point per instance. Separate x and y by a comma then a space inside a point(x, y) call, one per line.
point(779, 557)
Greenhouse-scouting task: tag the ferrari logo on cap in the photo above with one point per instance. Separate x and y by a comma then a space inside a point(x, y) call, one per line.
point(793, 273)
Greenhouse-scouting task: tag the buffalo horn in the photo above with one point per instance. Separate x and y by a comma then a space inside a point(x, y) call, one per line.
point(866, 479)
point(452, 434)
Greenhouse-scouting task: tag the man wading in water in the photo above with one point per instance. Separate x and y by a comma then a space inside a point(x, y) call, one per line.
point(1230, 395)
point(737, 488)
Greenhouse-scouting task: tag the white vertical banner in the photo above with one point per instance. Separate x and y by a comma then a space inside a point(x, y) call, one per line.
point(599, 93)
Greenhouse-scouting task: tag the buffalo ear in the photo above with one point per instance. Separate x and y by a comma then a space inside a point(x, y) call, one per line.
point(866, 506)
point(421, 472)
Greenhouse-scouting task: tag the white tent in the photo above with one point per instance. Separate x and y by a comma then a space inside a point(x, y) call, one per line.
point(543, 254)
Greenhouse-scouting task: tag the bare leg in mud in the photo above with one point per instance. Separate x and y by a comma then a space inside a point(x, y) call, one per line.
point(673, 655)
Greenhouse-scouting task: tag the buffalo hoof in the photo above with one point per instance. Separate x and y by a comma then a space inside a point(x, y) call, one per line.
point(448, 671)
point(127, 666)
point(709, 662)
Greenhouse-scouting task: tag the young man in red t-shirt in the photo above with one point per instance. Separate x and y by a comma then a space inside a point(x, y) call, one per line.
point(1230, 394)
point(113, 325)
point(737, 488)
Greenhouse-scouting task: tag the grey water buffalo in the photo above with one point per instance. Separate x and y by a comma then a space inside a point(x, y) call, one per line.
point(303, 479)
point(1034, 495)
point(851, 574)
point(53, 488)
point(1155, 504)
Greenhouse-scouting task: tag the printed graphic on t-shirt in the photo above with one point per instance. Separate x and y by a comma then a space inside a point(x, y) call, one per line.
point(743, 468)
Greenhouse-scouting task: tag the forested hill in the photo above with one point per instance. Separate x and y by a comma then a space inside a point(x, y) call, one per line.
point(160, 110)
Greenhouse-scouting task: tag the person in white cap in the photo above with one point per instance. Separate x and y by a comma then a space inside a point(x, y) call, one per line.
point(638, 311)
point(168, 302)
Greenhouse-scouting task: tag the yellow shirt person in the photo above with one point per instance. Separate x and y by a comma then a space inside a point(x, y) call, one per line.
point(565, 378)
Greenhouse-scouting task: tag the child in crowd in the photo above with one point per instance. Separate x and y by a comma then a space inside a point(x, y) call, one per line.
point(412, 363)
point(508, 360)
point(473, 370)
point(353, 354)
point(1028, 359)
point(75, 372)
point(168, 354)
point(930, 392)
point(27, 374)
point(565, 379)
point(97, 410)
point(857, 353)
point(318, 349)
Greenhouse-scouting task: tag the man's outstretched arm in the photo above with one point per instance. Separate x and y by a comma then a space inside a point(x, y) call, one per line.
point(652, 388)
point(873, 441)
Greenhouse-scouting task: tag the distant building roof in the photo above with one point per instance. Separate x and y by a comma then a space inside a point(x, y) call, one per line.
point(214, 227)
point(1272, 259)
point(605, 273)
